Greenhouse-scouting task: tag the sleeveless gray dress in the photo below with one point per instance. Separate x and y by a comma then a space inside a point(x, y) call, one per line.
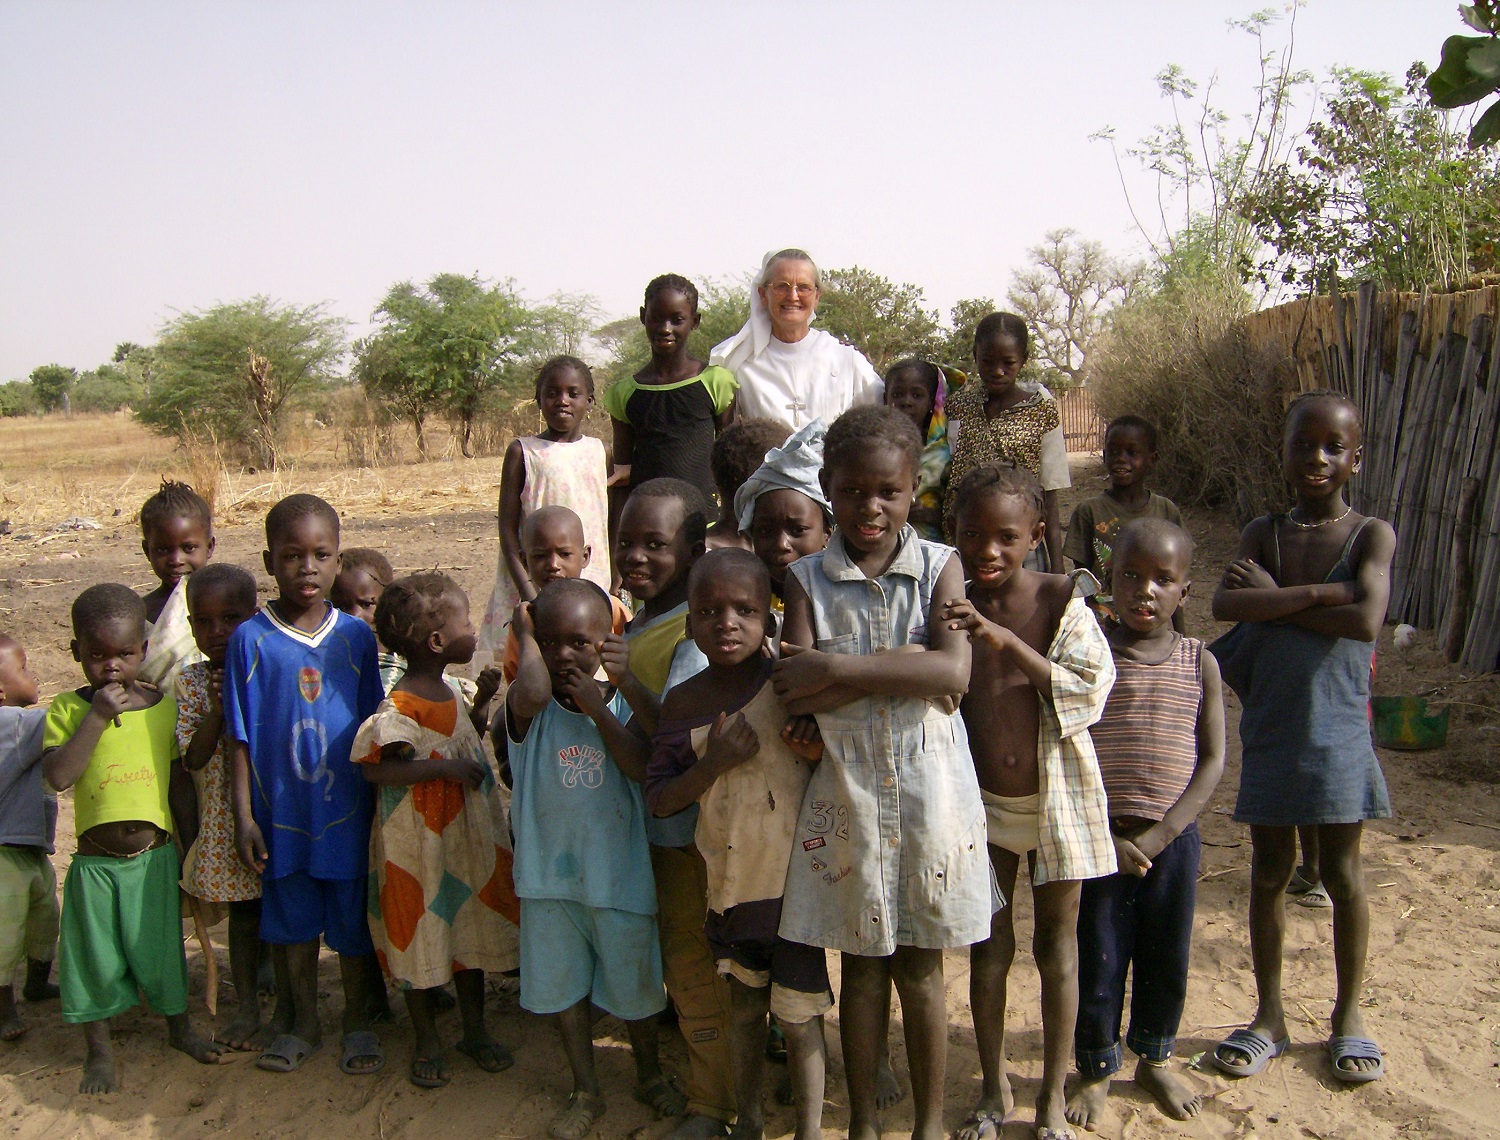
point(1307, 753)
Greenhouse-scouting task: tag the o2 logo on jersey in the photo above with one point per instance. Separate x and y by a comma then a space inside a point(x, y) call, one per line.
point(581, 765)
point(309, 753)
point(309, 683)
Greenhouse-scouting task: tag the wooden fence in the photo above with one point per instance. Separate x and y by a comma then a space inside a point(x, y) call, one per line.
point(1424, 370)
point(1082, 426)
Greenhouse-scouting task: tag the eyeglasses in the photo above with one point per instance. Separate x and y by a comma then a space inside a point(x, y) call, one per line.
point(787, 289)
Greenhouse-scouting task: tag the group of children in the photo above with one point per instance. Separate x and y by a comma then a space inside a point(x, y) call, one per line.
point(816, 729)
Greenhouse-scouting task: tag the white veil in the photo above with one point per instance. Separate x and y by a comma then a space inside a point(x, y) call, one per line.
point(745, 345)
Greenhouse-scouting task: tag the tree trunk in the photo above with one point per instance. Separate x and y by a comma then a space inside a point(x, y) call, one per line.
point(418, 422)
point(263, 407)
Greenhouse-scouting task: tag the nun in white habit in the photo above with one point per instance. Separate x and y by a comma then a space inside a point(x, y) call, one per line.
point(787, 369)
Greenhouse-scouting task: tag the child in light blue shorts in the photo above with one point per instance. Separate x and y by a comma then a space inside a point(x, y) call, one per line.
point(583, 866)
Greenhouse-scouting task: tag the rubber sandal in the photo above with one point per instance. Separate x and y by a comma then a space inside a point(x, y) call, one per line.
point(360, 1043)
point(1355, 1049)
point(661, 1097)
point(1256, 1046)
point(577, 1120)
point(1299, 885)
point(1056, 1134)
point(286, 1054)
point(439, 1082)
point(1315, 899)
point(491, 1056)
point(981, 1123)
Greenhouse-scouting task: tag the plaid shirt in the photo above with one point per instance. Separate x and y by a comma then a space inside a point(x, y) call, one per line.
point(1075, 839)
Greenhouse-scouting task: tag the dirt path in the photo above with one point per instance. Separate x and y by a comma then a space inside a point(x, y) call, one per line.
point(1432, 999)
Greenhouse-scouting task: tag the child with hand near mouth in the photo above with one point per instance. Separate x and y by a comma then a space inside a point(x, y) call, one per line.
point(220, 598)
point(583, 868)
point(121, 919)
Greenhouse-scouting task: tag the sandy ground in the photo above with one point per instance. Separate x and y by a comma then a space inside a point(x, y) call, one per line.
point(1432, 996)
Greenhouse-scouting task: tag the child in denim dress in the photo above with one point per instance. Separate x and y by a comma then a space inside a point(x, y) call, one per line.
point(888, 864)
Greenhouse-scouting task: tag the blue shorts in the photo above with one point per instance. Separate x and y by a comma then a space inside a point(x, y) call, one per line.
point(299, 908)
point(571, 952)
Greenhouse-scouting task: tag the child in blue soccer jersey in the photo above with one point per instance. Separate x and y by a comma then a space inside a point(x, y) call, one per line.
point(299, 679)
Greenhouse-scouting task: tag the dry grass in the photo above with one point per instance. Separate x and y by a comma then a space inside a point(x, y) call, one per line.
point(105, 466)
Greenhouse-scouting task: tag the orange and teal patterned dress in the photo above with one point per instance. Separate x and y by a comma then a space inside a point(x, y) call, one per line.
point(442, 894)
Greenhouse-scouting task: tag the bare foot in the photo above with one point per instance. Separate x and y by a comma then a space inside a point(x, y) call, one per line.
point(98, 1070)
point(1086, 1107)
point(185, 1039)
point(243, 1032)
point(888, 1090)
point(1173, 1094)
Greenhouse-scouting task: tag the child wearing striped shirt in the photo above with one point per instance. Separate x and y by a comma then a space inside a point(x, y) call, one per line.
point(1160, 744)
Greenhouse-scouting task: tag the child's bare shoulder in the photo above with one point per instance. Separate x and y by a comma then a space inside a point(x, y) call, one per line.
point(1257, 534)
point(1054, 591)
point(1376, 539)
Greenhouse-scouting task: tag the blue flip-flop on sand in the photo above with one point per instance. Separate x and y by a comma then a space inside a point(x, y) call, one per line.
point(1356, 1049)
point(1256, 1046)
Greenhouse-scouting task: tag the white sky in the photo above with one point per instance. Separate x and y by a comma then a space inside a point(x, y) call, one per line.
point(161, 157)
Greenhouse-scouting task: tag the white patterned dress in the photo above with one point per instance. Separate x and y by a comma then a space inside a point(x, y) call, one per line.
point(558, 474)
point(211, 868)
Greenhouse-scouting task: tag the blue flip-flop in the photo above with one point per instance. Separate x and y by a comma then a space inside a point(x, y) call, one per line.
point(1256, 1046)
point(1356, 1049)
point(286, 1054)
point(361, 1043)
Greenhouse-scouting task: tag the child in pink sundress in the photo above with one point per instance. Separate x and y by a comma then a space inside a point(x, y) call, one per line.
point(559, 466)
